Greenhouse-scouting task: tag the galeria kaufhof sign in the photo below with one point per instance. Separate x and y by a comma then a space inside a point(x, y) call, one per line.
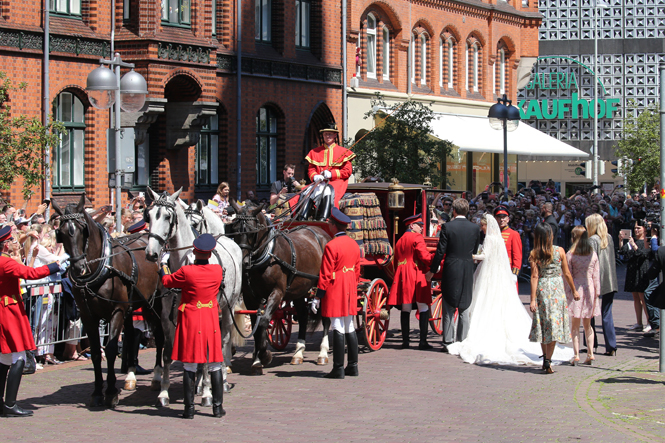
point(560, 108)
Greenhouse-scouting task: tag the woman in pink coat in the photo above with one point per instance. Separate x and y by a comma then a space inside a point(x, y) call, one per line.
point(584, 267)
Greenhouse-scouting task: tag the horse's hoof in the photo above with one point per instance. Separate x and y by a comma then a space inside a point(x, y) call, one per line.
point(296, 361)
point(267, 358)
point(227, 387)
point(111, 401)
point(229, 370)
point(155, 385)
point(163, 402)
point(257, 370)
point(97, 401)
point(322, 361)
point(206, 402)
point(130, 385)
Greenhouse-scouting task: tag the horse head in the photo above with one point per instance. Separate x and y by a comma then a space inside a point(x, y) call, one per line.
point(74, 235)
point(163, 221)
point(248, 225)
point(194, 213)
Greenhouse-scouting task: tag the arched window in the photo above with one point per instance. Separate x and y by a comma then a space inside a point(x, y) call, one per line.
point(451, 61)
point(262, 20)
point(423, 60)
point(466, 67)
point(386, 54)
point(502, 71)
point(207, 159)
point(371, 46)
point(68, 171)
point(266, 146)
point(476, 64)
point(412, 48)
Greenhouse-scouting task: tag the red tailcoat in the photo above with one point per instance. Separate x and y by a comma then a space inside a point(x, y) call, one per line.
point(335, 159)
point(339, 276)
point(413, 262)
point(15, 332)
point(197, 337)
point(513, 246)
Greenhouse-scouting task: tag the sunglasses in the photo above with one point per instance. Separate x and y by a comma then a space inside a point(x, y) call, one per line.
point(447, 204)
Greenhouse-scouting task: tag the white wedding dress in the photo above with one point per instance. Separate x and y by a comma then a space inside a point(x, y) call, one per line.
point(499, 323)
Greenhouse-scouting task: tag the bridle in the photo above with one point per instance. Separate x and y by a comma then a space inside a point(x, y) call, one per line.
point(79, 219)
point(202, 224)
point(163, 201)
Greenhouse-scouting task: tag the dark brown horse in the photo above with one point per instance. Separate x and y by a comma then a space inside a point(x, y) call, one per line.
point(278, 266)
point(109, 278)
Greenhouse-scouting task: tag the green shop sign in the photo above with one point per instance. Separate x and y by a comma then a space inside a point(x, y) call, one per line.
point(575, 107)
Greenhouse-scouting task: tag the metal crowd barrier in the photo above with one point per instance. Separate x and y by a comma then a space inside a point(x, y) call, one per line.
point(53, 314)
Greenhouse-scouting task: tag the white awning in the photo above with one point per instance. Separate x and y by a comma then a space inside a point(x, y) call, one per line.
point(471, 133)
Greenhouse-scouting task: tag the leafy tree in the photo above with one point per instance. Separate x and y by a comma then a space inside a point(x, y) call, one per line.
point(641, 144)
point(402, 146)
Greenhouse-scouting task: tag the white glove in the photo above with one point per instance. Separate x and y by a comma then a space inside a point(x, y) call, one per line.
point(314, 305)
point(318, 178)
point(165, 258)
point(479, 257)
point(327, 174)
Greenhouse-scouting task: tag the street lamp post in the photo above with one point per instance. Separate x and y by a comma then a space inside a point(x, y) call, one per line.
point(596, 156)
point(129, 92)
point(503, 115)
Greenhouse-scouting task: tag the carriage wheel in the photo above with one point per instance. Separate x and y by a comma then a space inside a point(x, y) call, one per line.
point(375, 328)
point(279, 329)
point(436, 320)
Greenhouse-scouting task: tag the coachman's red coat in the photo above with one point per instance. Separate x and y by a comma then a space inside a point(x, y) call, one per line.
point(413, 262)
point(197, 337)
point(339, 276)
point(335, 159)
point(15, 332)
point(513, 246)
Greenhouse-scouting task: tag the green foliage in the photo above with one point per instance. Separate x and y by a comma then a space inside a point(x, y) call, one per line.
point(22, 142)
point(403, 147)
point(641, 143)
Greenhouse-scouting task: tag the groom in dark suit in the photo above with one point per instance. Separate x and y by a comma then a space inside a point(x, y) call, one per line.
point(458, 241)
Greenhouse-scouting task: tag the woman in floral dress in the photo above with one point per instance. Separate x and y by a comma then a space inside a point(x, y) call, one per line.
point(549, 267)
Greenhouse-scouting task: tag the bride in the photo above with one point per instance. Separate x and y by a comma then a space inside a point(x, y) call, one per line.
point(500, 325)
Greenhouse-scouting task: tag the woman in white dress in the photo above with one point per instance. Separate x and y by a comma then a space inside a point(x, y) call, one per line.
point(500, 324)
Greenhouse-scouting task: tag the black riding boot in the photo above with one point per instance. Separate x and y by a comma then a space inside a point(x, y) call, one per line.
point(424, 324)
point(304, 211)
point(352, 346)
point(4, 369)
point(405, 320)
point(10, 408)
point(338, 356)
point(217, 381)
point(188, 384)
point(325, 208)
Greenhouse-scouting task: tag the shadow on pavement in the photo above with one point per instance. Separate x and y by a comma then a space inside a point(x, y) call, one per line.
point(631, 380)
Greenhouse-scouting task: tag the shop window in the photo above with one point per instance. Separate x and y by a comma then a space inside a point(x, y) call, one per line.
point(68, 158)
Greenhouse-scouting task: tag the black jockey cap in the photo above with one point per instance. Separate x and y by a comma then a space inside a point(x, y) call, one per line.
point(5, 233)
point(137, 227)
point(501, 210)
point(330, 127)
point(205, 243)
point(418, 218)
point(340, 217)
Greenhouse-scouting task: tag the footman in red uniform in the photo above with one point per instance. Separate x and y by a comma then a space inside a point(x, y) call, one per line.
point(198, 338)
point(337, 290)
point(410, 283)
point(15, 333)
point(511, 238)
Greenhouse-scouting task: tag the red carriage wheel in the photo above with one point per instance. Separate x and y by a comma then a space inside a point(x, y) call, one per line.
point(375, 327)
point(436, 320)
point(279, 329)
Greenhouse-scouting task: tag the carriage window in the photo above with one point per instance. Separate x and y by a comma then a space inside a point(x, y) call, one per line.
point(266, 146)
point(68, 156)
point(206, 154)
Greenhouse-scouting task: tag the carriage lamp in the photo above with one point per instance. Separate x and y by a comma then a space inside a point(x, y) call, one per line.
point(395, 196)
point(503, 115)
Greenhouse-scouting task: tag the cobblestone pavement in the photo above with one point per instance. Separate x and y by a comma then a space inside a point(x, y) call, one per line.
point(400, 395)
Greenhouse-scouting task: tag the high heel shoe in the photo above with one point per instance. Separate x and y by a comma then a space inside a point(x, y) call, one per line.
point(611, 353)
point(575, 361)
point(547, 365)
point(52, 360)
point(589, 361)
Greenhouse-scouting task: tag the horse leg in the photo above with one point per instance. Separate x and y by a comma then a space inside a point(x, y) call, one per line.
point(262, 356)
point(92, 328)
point(206, 399)
point(302, 309)
point(168, 329)
point(226, 327)
point(115, 328)
point(199, 379)
point(128, 356)
point(325, 347)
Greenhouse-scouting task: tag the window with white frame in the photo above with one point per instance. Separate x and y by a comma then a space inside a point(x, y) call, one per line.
point(176, 12)
point(412, 49)
point(386, 54)
point(441, 61)
point(371, 46)
point(466, 67)
point(207, 163)
point(303, 8)
point(451, 62)
point(68, 7)
point(68, 173)
point(502, 71)
point(423, 60)
point(262, 20)
point(475, 66)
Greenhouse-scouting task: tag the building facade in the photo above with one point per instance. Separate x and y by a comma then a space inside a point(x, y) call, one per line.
point(187, 50)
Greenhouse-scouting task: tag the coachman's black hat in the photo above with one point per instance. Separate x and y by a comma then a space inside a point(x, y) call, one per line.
point(330, 127)
point(205, 243)
point(137, 227)
point(418, 218)
point(340, 217)
point(5, 233)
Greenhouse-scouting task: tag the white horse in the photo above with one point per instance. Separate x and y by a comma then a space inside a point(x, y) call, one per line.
point(169, 225)
point(204, 220)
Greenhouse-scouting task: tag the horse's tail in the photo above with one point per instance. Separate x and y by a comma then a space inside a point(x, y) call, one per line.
point(237, 339)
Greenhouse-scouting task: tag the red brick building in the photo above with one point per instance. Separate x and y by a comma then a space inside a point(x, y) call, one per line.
point(186, 50)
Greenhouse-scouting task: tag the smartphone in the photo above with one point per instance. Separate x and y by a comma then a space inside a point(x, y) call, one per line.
point(626, 233)
point(142, 194)
point(47, 201)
